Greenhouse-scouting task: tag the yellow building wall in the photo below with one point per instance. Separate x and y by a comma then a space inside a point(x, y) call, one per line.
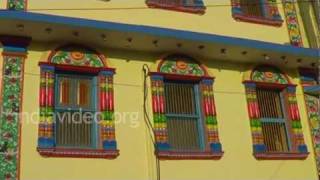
point(137, 160)
point(217, 19)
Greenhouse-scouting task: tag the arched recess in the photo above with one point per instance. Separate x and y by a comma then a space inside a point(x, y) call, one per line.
point(77, 60)
point(270, 79)
point(179, 68)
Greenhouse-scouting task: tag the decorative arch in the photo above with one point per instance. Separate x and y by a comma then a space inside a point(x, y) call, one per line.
point(182, 67)
point(77, 56)
point(269, 74)
point(270, 77)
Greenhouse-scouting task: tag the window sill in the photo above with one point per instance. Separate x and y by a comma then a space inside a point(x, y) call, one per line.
point(281, 156)
point(169, 155)
point(258, 20)
point(78, 153)
point(197, 10)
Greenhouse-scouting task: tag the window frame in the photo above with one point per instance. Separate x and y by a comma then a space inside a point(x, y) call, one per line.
point(298, 147)
point(93, 103)
point(271, 15)
point(168, 71)
point(71, 59)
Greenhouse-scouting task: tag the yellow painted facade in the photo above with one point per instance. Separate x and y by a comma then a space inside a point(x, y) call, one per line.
point(137, 160)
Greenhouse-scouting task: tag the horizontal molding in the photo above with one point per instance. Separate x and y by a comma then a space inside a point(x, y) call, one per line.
point(78, 153)
point(170, 155)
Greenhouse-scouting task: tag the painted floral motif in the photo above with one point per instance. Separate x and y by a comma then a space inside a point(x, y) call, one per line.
point(77, 57)
point(270, 75)
point(18, 5)
point(313, 107)
point(12, 83)
point(292, 22)
point(183, 65)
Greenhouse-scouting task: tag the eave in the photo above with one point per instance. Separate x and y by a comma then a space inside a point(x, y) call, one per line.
point(52, 28)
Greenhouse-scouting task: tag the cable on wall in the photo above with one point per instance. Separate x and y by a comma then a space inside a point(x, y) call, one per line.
point(147, 119)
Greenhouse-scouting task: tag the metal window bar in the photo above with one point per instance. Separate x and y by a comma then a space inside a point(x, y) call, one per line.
point(274, 125)
point(252, 8)
point(73, 129)
point(183, 116)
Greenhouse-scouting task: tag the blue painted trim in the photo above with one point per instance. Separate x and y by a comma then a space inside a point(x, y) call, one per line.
point(201, 121)
point(216, 147)
point(291, 89)
point(250, 84)
point(162, 147)
point(157, 77)
point(156, 31)
point(47, 68)
point(259, 148)
point(14, 49)
point(46, 142)
point(208, 81)
point(312, 89)
point(273, 120)
point(109, 145)
point(303, 148)
point(107, 73)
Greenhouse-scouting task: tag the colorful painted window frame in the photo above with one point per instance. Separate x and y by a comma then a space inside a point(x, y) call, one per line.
point(197, 6)
point(183, 68)
point(270, 77)
point(17, 5)
point(271, 15)
point(77, 59)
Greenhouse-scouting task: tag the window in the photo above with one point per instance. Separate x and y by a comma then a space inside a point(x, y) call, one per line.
point(75, 110)
point(274, 125)
point(191, 6)
point(76, 105)
point(274, 115)
point(251, 7)
point(257, 11)
point(185, 123)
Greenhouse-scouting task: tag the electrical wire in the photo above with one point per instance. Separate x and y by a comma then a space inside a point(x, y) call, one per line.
point(146, 70)
point(146, 7)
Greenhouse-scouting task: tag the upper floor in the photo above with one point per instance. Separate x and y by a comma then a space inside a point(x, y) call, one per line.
point(275, 21)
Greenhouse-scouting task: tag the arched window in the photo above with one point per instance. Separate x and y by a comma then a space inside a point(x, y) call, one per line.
point(274, 115)
point(184, 112)
point(76, 105)
point(191, 6)
point(257, 11)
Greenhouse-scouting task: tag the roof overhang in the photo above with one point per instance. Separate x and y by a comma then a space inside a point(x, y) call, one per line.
point(52, 28)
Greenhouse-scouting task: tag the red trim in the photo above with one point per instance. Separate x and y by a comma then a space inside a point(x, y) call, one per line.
point(199, 11)
point(169, 155)
point(258, 20)
point(15, 54)
point(77, 68)
point(78, 153)
point(281, 156)
point(181, 77)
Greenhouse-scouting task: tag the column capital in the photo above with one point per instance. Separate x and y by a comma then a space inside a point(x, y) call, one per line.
point(14, 43)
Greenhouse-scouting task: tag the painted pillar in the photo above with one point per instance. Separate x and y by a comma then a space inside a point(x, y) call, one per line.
point(210, 117)
point(294, 115)
point(254, 115)
point(292, 22)
point(14, 55)
point(106, 98)
point(160, 121)
point(46, 125)
point(17, 5)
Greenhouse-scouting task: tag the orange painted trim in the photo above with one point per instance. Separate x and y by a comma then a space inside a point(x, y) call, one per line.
point(281, 156)
point(78, 153)
point(169, 155)
point(258, 20)
point(16, 54)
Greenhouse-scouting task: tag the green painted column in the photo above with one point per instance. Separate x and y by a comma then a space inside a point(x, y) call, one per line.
point(14, 55)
